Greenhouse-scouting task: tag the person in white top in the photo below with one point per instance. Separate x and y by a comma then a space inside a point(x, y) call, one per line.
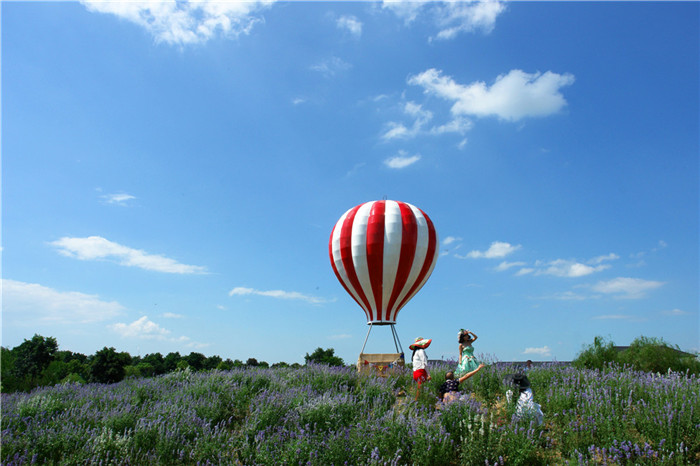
point(526, 406)
point(420, 362)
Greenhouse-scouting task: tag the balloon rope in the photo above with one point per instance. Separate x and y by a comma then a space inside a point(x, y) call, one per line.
point(365, 343)
point(397, 342)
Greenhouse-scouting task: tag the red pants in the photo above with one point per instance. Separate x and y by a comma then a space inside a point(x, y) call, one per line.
point(420, 376)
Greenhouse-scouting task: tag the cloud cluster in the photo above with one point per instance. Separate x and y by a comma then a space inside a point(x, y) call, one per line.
point(34, 302)
point(331, 66)
point(278, 294)
point(185, 22)
point(420, 118)
point(512, 96)
point(351, 24)
point(145, 329)
point(620, 287)
point(626, 287)
point(543, 351)
point(402, 160)
point(497, 250)
point(98, 248)
point(118, 199)
point(451, 18)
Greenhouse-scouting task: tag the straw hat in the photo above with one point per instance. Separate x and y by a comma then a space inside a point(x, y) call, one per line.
point(421, 343)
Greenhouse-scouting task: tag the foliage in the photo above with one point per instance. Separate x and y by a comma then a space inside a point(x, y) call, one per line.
point(644, 354)
point(655, 355)
point(321, 356)
point(596, 355)
point(318, 414)
point(108, 366)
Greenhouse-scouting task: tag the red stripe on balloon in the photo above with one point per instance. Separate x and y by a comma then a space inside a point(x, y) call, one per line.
point(337, 274)
point(429, 259)
point(409, 238)
point(346, 257)
point(375, 253)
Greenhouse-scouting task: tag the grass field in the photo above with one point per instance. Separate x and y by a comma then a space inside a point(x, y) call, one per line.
point(320, 415)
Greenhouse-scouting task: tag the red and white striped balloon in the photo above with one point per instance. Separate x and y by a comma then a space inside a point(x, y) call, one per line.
point(382, 253)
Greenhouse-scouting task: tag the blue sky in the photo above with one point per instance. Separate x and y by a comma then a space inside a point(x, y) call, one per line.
point(171, 172)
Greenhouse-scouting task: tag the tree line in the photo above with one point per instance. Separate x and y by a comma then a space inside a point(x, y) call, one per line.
point(646, 354)
point(38, 362)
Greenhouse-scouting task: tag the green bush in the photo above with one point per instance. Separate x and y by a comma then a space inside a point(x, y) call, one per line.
point(596, 355)
point(655, 355)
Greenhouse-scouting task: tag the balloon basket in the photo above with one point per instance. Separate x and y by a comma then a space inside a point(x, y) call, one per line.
point(381, 364)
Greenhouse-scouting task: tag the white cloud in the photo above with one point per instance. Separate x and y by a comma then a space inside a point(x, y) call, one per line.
point(625, 317)
point(601, 259)
point(351, 24)
point(543, 351)
point(400, 131)
point(402, 160)
point(118, 199)
point(632, 288)
point(497, 249)
point(278, 294)
point(568, 268)
point(145, 329)
point(298, 101)
point(676, 312)
point(405, 9)
point(38, 303)
point(566, 296)
point(451, 18)
point(503, 266)
point(465, 16)
point(449, 240)
point(513, 96)
point(458, 125)
point(613, 317)
point(342, 336)
point(524, 271)
point(172, 315)
point(331, 66)
point(141, 328)
point(185, 22)
point(98, 248)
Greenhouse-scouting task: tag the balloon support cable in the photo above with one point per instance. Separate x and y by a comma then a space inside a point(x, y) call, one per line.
point(394, 334)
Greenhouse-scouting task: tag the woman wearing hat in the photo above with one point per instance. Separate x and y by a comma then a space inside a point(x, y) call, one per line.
point(420, 361)
point(467, 360)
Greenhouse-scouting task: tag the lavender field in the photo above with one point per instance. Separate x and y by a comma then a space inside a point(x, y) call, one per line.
point(321, 416)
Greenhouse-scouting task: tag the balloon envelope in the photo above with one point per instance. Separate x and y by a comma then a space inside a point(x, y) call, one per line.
point(383, 252)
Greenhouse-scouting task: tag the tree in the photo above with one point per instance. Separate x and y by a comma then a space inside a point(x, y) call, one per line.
point(251, 362)
point(211, 362)
point(195, 360)
point(321, 356)
point(108, 366)
point(8, 382)
point(597, 355)
point(226, 365)
point(655, 355)
point(156, 361)
point(33, 356)
point(171, 360)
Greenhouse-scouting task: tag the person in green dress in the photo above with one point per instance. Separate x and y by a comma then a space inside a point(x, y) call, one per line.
point(467, 360)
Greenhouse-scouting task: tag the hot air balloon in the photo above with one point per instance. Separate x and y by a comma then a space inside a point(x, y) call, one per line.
point(383, 252)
